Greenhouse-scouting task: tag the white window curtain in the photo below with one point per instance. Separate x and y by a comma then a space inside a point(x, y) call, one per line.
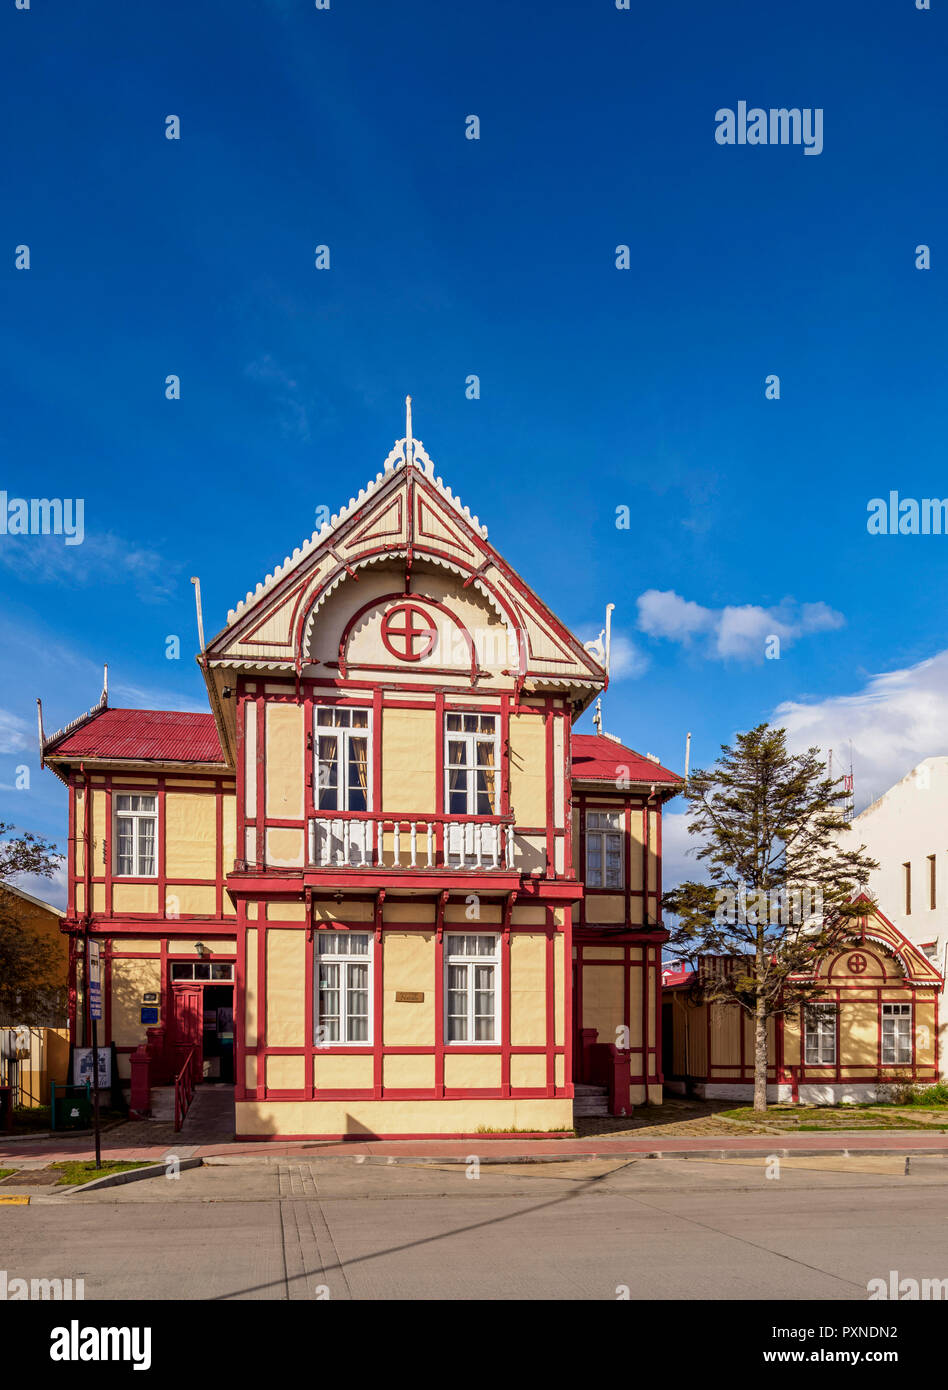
point(344, 987)
point(136, 822)
point(472, 988)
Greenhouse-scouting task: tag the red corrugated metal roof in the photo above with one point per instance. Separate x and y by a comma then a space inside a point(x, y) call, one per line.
point(144, 734)
point(597, 758)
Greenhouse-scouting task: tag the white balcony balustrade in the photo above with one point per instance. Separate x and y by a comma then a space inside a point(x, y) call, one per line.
point(369, 841)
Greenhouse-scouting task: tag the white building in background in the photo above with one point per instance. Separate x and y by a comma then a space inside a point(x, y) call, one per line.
point(906, 830)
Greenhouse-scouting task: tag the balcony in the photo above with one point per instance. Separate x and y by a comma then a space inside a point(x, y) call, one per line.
point(371, 840)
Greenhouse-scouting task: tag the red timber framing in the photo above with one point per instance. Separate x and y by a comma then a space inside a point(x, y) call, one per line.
point(101, 859)
point(641, 954)
point(257, 1050)
point(840, 991)
point(438, 699)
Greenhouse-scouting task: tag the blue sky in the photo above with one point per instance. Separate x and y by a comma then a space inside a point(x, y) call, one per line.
point(600, 388)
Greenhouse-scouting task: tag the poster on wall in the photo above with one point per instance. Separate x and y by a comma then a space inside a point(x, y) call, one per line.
point(82, 1067)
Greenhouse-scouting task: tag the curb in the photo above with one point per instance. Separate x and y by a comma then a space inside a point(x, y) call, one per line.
point(153, 1170)
point(591, 1156)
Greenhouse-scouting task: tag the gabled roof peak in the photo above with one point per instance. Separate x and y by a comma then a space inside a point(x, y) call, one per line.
point(406, 453)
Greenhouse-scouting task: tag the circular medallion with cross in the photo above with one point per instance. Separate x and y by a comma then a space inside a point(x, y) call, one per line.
point(408, 632)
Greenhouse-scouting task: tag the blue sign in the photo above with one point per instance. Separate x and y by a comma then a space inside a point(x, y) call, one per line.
point(149, 1015)
point(95, 981)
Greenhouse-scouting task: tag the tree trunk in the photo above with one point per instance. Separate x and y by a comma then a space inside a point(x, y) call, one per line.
point(760, 1034)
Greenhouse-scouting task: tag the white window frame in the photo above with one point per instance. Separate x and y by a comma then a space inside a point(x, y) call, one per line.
point(820, 1012)
point(894, 1014)
point(135, 817)
point(602, 834)
point(342, 735)
point(471, 766)
point(343, 961)
point(464, 958)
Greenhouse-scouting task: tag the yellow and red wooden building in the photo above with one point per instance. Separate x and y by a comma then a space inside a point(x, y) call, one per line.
point(426, 905)
point(871, 1024)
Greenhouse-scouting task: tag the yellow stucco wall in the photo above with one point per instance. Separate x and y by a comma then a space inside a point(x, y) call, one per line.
point(285, 847)
point(603, 1003)
point(285, 761)
point(401, 1117)
point(409, 966)
point(528, 769)
point(190, 835)
point(409, 783)
point(190, 900)
point(415, 1071)
point(250, 990)
point(286, 988)
point(527, 989)
point(285, 1073)
point(134, 897)
point(467, 1071)
point(130, 980)
point(339, 1072)
point(858, 1034)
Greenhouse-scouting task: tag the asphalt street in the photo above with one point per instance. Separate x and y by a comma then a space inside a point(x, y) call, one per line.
point(338, 1228)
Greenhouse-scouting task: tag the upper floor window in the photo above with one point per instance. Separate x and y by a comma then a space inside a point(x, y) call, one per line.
point(470, 764)
point(136, 830)
point(344, 993)
point(472, 995)
point(604, 849)
point(896, 1034)
point(343, 758)
point(820, 1035)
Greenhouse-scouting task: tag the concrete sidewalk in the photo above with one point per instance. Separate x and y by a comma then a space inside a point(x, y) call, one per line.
point(487, 1148)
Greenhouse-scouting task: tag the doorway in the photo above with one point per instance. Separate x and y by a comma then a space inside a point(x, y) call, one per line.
point(202, 1016)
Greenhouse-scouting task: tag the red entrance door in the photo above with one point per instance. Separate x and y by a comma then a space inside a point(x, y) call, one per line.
point(187, 1026)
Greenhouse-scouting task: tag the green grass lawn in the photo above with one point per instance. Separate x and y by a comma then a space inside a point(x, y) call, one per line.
point(85, 1171)
point(5, 1172)
point(872, 1115)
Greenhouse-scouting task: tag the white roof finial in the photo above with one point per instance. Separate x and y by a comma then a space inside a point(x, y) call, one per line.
point(409, 442)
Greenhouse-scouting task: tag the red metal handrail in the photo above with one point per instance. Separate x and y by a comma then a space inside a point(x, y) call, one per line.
point(184, 1088)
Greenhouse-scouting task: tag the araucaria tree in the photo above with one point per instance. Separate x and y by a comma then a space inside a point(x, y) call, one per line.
point(773, 837)
point(29, 960)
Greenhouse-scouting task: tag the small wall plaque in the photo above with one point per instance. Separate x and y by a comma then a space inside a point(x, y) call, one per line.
point(409, 996)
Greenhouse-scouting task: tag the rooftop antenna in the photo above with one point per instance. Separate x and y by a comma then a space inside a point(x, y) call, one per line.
point(687, 756)
point(39, 720)
point(104, 699)
point(197, 604)
point(597, 717)
point(409, 442)
point(609, 611)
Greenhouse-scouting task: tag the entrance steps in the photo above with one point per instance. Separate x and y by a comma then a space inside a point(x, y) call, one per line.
point(590, 1100)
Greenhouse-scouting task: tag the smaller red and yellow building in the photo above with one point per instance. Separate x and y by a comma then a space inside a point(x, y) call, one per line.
point(872, 1023)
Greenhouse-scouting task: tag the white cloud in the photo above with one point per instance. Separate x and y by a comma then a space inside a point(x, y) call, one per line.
point(626, 660)
point(14, 732)
point(895, 720)
point(738, 631)
point(51, 890)
point(100, 559)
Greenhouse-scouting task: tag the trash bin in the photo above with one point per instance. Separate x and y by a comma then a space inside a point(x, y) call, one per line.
point(6, 1108)
point(71, 1107)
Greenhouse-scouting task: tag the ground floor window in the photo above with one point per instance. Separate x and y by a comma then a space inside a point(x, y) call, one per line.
point(820, 1035)
point(344, 995)
point(472, 994)
point(896, 1034)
